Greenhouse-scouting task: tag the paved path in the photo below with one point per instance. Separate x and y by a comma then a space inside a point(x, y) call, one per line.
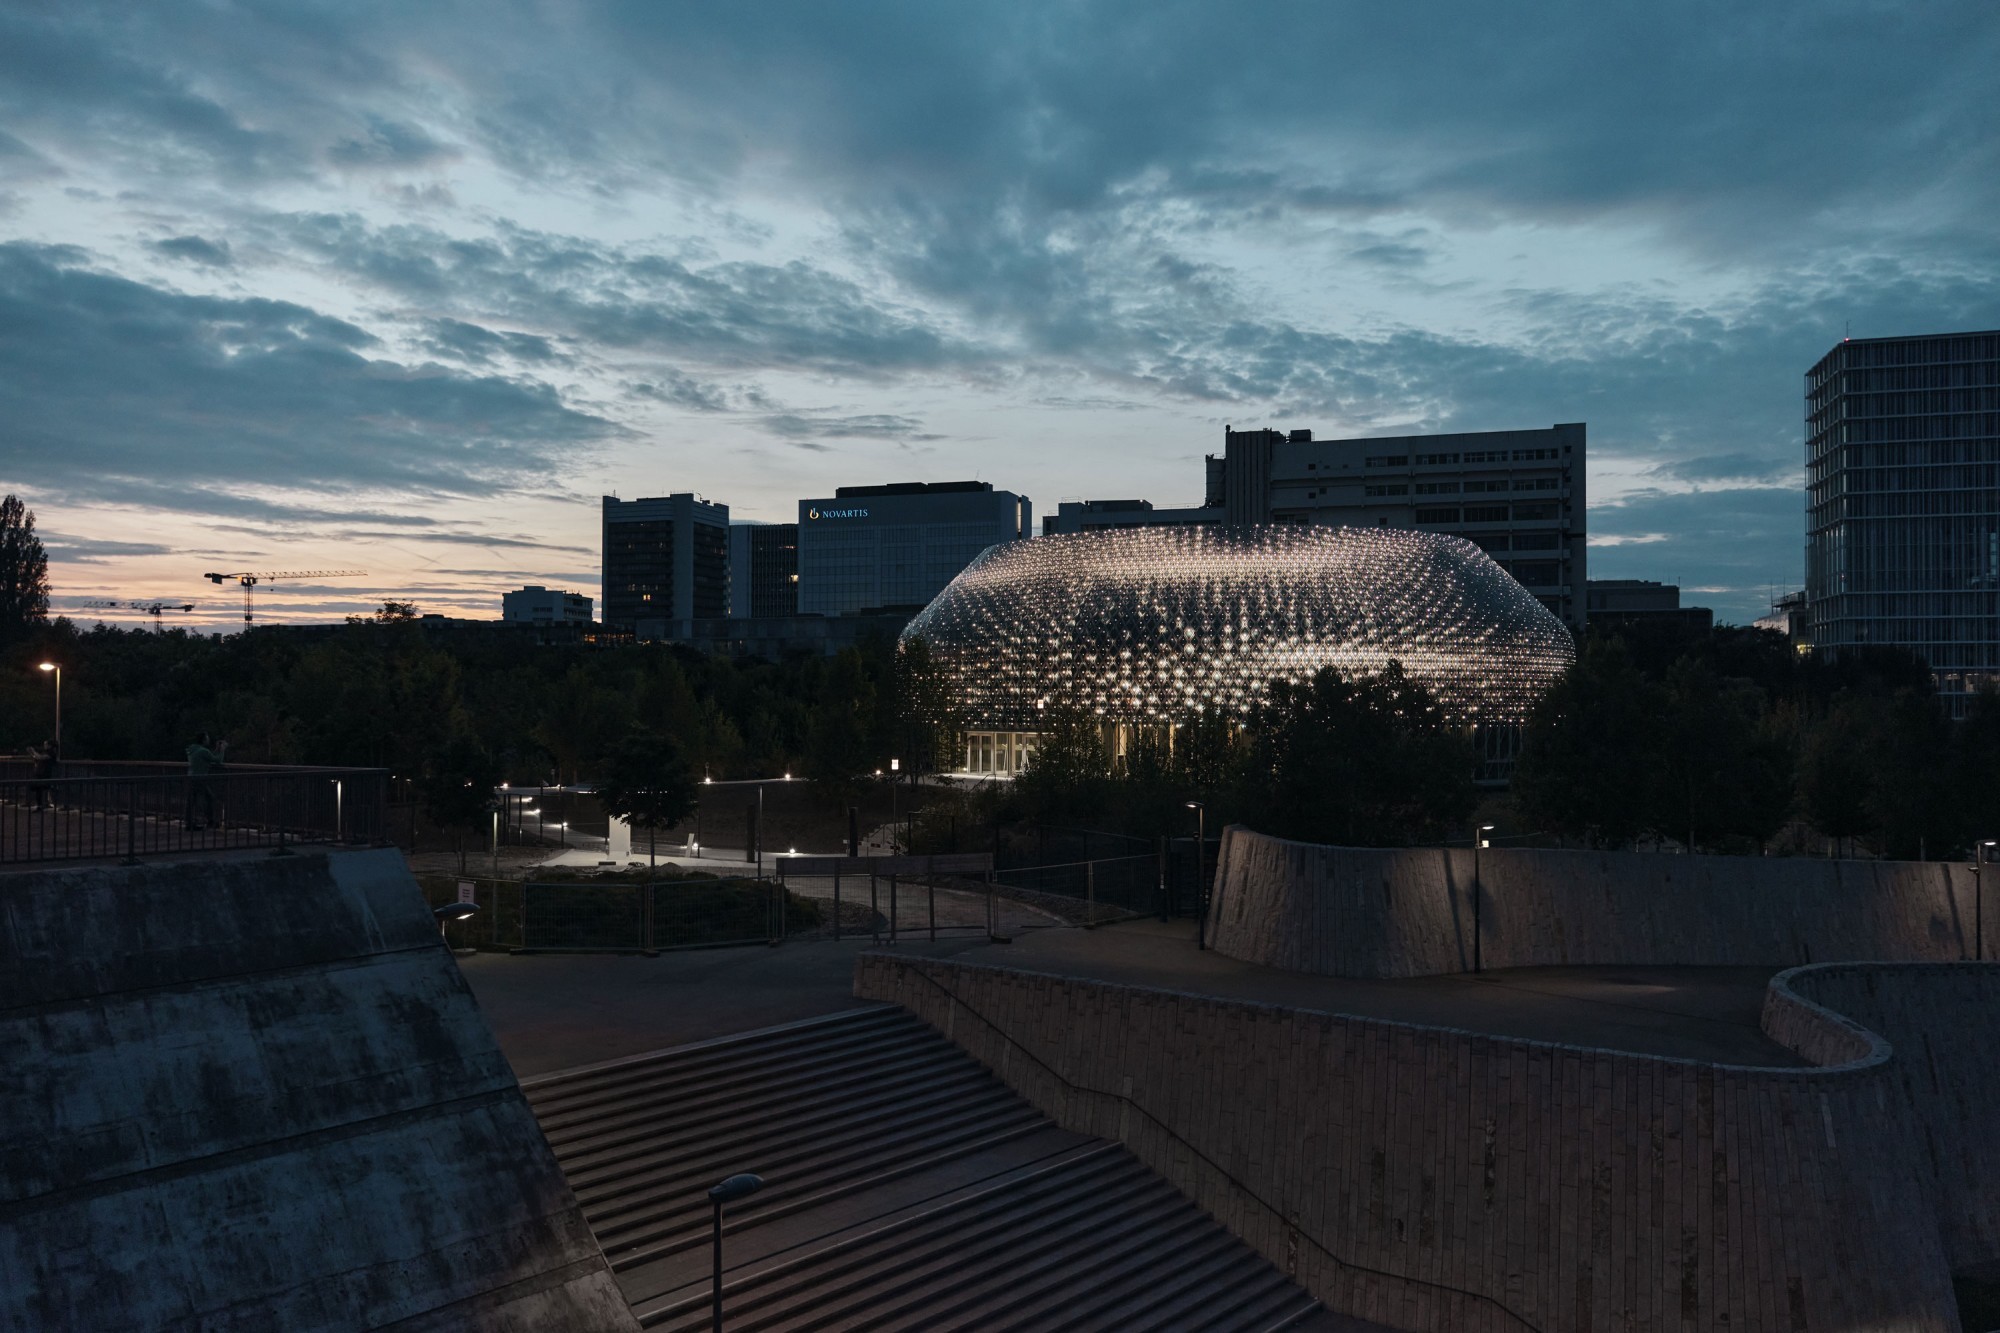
point(557, 1011)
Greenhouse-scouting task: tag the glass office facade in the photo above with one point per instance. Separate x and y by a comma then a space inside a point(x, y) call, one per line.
point(1903, 503)
point(869, 547)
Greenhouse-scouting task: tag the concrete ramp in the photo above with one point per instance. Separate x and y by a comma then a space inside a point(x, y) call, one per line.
point(256, 1094)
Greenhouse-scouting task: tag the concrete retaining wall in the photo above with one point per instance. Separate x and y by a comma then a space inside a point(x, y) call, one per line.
point(1945, 1075)
point(1435, 1179)
point(1401, 912)
point(257, 1094)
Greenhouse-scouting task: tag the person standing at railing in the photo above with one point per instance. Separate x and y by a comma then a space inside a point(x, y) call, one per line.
point(46, 755)
point(203, 763)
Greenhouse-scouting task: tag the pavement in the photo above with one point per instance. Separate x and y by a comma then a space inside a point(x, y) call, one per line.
point(554, 1011)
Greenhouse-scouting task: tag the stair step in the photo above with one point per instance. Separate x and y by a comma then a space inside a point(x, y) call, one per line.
point(907, 1187)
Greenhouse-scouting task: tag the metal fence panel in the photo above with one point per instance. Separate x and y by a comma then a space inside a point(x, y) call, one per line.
point(133, 816)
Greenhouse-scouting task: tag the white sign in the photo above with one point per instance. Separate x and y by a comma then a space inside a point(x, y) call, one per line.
point(465, 892)
point(618, 840)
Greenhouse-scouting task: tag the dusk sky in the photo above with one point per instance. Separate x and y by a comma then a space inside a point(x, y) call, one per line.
point(407, 287)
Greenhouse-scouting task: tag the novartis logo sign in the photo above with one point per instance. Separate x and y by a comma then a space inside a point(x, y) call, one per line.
point(836, 513)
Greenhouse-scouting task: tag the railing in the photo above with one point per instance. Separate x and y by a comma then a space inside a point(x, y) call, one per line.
point(1184, 1145)
point(135, 811)
point(622, 916)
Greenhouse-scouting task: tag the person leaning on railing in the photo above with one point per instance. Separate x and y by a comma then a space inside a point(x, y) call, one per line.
point(203, 763)
point(45, 756)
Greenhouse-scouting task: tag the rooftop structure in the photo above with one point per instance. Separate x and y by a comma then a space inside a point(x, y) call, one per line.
point(665, 559)
point(1097, 515)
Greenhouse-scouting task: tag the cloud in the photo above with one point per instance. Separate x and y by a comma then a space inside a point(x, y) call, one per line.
point(126, 392)
point(389, 143)
point(67, 550)
point(195, 250)
point(475, 345)
point(871, 426)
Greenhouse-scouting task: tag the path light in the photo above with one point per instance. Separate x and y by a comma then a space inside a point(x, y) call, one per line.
point(740, 1186)
point(452, 912)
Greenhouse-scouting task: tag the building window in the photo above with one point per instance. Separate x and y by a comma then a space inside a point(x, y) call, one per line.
point(1437, 488)
point(1389, 460)
point(1486, 513)
point(1437, 515)
point(1385, 490)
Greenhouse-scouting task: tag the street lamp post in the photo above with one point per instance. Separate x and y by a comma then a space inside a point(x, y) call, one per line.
point(1200, 879)
point(52, 666)
point(1980, 856)
point(740, 1186)
point(1478, 893)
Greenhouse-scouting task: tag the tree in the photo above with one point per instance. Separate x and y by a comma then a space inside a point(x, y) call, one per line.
point(24, 570)
point(837, 750)
point(1586, 767)
point(1723, 770)
point(1837, 772)
point(456, 788)
point(392, 613)
point(648, 784)
point(927, 719)
point(1367, 762)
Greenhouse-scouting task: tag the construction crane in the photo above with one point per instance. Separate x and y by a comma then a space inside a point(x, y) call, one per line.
point(249, 582)
point(156, 610)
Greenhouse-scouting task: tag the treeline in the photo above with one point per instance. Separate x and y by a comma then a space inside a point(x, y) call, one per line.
point(1731, 741)
point(1368, 761)
point(389, 692)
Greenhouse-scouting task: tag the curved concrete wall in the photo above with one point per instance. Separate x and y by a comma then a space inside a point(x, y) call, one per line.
point(1401, 912)
point(1434, 1179)
point(257, 1094)
point(1938, 1019)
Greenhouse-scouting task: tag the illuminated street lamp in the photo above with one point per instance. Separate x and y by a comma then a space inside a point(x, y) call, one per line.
point(51, 666)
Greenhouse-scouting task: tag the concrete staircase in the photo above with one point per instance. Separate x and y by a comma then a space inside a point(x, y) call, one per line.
point(906, 1187)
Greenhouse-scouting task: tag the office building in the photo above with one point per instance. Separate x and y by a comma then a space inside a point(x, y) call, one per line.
point(1643, 602)
point(1903, 503)
point(1099, 515)
point(665, 560)
point(1516, 494)
point(536, 605)
point(1787, 617)
point(763, 570)
point(866, 548)
point(1150, 628)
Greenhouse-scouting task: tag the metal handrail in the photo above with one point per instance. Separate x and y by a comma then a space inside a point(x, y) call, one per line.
point(1212, 1164)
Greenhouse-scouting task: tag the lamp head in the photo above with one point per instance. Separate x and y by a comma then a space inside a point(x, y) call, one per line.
point(451, 912)
point(48, 666)
point(1194, 805)
point(740, 1186)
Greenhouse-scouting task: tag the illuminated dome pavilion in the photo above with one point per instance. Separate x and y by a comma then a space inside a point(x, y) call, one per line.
point(1154, 626)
